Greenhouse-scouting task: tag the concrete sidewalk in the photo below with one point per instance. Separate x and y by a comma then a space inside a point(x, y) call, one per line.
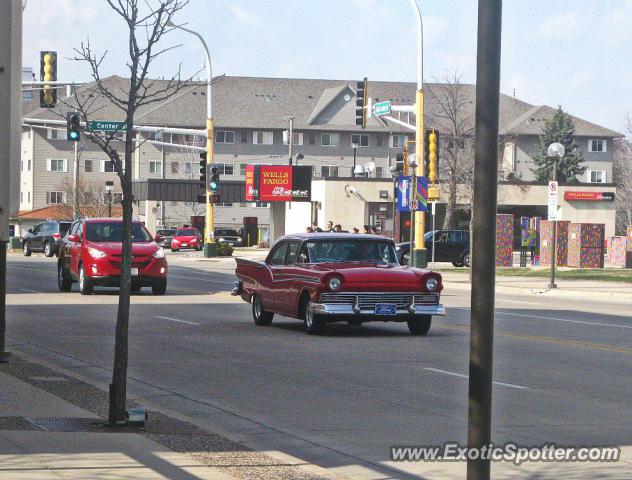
point(44, 437)
point(619, 292)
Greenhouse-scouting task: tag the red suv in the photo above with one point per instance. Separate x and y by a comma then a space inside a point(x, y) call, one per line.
point(91, 254)
point(186, 238)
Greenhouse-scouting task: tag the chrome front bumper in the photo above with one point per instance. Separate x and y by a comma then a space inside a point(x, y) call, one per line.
point(346, 309)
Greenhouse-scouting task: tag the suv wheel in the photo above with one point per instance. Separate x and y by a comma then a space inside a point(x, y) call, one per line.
point(159, 287)
point(63, 279)
point(48, 249)
point(419, 325)
point(313, 323)
point(26, 249)
point(85, 283)
point(259, 315)
point(466, 259)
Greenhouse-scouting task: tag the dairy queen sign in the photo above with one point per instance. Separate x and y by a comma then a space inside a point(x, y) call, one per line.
point(278, 183)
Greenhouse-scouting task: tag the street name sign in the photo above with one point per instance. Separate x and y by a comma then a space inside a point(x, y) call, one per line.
point(103, 126)
point(553, 189)
point(382, 108)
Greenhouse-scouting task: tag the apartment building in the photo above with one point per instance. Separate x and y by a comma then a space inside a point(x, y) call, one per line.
point(250, 115)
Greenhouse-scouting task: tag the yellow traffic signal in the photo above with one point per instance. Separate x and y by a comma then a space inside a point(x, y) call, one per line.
point(362, 102)
point(48, 73)
point(431, 154)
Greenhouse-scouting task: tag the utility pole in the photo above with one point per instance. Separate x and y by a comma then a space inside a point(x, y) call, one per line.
point(556, 152)
point(76, 182)
point(419, 217)
point(10, 121)
point(484, 234)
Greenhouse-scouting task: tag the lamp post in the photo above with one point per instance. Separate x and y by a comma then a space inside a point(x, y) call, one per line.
point(556, 152)
point(210, 247)
point(109, 185)
point(418, 218)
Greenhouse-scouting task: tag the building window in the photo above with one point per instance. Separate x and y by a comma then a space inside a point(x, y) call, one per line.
point(329, 171)
point(330, 139)
point(398, 141)
point(28, 197)
point(54, 197)
point(155, 136)
point(379, 172)
point(596, 176)
point(261, 204)
point(360, 139)
point(175, 167)
point(297, 139)
point(28, 165)
point(242, 168)
point(155, 167)
point(226, 168)
point(56, 165)
point(224, 136)
point(107, 166)
point(262, 138)
point(56, 134)
point(311, 139)
point(175, 204)
point(596, 145)
point(87, 166)
point(21, 197)
point(379, 141)
point(189, 168)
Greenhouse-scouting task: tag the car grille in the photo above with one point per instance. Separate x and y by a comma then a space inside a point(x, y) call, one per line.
point(368, 300)
point(138, 261)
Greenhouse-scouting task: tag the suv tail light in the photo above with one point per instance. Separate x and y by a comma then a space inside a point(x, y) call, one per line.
point(56, 236)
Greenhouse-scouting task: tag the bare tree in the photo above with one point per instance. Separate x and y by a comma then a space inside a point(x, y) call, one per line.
point(147, 22)
point(450, 113)
point(92, 198)
point(622, 166)
point(192, 158)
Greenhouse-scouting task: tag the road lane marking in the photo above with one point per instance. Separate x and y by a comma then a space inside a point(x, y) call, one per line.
point(555, 341)
point(556, 319)
point(460, 375)
point(28, 290)
point(175, 320)
point(518, 301)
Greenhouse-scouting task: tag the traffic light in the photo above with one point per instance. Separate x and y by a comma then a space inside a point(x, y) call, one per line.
point(399, 163)
point(431, 154)
point(203, 171)
point(431, 160)
point(362, 102)
point(73, 132)
point(213, 183)
point(48, 73)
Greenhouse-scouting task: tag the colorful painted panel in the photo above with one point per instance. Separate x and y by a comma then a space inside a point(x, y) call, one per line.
point(546, 242)
point(617, 251)
point(591, 257)
point(504, 240)
point(629, 235)
point(561, 242)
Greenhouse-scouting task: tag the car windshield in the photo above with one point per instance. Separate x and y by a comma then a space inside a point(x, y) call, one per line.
point(113, 232)
point(165, 233)
point(226, 233)
point(346, 251)
point(189, 232)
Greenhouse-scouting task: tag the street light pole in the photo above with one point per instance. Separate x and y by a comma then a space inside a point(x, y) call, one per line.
point(556, 152)
point(419, 218)
point(210, 247)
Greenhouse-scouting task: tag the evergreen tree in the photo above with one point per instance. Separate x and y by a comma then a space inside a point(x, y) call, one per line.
point(559, 128)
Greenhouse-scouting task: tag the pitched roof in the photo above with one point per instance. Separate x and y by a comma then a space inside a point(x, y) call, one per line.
point(61, 212)
point(532, 121)
point(258, 102)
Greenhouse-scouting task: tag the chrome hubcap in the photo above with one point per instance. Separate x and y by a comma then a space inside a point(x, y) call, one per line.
point(308, 316)
point(258, 307)
point(47, 248)
point(26, 247)
point(81, 278)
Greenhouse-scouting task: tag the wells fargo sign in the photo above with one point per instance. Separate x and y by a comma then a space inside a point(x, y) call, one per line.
point(590, 196)
point(278, 183)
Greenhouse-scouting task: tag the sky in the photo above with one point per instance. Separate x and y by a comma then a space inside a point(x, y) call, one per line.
point(573, 53)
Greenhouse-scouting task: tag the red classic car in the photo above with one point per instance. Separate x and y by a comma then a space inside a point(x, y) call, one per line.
point(331, 277)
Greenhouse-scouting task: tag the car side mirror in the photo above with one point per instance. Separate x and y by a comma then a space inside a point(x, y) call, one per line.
point(30, 230)
point(158, 238)
point(302, 258)
point(74, 238)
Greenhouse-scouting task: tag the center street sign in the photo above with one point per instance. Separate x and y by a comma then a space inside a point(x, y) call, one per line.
point(382, 108)
point(108, 126)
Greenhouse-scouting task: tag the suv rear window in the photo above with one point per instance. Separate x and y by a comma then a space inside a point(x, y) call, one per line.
point(63, 227)
point(226, 233)
point(113, 232)
point(186, 233)
point(165, 232)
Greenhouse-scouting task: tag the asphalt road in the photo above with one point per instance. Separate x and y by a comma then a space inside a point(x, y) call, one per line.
point(562, 367)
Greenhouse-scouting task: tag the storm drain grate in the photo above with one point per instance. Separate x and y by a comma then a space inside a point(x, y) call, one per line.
point(66, 424)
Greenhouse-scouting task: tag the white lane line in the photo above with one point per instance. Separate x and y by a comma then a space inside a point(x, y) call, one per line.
point(565, 320)
point(518, 301)
point(175, 320)
point(28, 290)
point(460, 375)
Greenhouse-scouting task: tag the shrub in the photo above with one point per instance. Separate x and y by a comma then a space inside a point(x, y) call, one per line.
point(224, 250)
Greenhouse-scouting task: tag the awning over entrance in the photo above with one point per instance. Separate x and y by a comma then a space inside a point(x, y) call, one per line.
point(174, 190)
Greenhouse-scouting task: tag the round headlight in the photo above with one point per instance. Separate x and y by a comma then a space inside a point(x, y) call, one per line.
point(335, 283)
point(160, 253)
point(432, 284)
